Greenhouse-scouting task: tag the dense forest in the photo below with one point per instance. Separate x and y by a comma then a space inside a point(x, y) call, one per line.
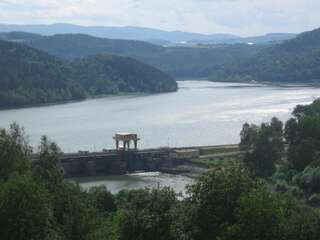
point(102, 74)
point(29, 76)
point(272, 193)
point(296, 60)
point(184, 62)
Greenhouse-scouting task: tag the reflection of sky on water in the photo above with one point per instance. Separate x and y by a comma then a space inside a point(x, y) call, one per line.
point(200, 113)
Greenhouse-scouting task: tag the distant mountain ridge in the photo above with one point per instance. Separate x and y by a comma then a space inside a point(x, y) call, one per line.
point(137, 33)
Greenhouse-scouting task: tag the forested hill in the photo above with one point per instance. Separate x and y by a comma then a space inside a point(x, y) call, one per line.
point(296, 60)
point(200, 61)
point(72, 46)
point(29, 76)
point(103, 73)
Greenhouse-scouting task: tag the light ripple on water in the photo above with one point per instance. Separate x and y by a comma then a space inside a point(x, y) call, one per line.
point(200, 113)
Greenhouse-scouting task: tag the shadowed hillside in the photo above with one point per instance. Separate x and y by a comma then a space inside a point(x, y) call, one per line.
point(29, 76)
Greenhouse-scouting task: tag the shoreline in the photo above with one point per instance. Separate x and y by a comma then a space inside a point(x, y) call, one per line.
point(79, 100)
point(137, 94)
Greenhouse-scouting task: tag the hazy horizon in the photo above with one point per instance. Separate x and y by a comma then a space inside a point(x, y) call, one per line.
point(159, 29)
point(238, 17)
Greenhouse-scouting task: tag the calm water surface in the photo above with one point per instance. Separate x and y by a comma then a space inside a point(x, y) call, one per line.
point(200, 113)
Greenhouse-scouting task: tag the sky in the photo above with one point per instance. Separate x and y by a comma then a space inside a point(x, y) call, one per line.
point(242, 17)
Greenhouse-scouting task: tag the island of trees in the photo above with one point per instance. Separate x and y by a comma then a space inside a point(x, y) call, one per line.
point(272, 193)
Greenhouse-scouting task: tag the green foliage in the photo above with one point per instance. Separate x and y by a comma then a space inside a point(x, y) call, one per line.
point(212, 202)
point(295, 60)
point(258, 216)
point(309, 179)
point(303, 135)
point(74, 213)
point(25, 211)
point(103, 200)
point(106, 74)
point(47, 169)
point(248, 136)
point(72, 46)
point(291, 131)
point(302, 154)
point(264, 145)
point(302, 223)
point(14, 152)
point(199, 61)
point(30, 76)
point(146, 214)
point(225, 203)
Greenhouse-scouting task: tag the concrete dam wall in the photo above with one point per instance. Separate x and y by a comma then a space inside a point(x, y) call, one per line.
point(116, 162)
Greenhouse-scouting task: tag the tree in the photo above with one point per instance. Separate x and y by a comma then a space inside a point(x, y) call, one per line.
point(302, 154)
point(248, 136)
point(258, 217)
point(212, 202)
point(75, 214)
point(47, 168)
point(14, 151)
point(25, 211)
point(291, 128)
point(266, 148)
point(146, 214)
point(103, 200)
point(302, 134)
point(302, 223)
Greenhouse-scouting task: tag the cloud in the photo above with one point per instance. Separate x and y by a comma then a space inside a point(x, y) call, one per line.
point(247, 17)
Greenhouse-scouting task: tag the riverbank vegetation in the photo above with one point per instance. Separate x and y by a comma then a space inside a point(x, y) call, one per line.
point(29, 76)
point(272, 193)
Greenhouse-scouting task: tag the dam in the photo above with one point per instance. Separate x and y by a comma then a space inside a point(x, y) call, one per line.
point(124, 159)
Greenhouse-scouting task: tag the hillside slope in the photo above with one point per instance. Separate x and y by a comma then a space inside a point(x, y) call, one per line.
point(29, 76)
point(102, 74)
point(296, 60)
point(71, 46)
point(185, 62)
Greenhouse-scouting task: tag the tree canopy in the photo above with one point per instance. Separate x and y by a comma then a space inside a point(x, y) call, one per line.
point(29, 76)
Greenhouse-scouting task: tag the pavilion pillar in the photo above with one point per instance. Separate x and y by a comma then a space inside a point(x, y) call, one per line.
point(135, 144)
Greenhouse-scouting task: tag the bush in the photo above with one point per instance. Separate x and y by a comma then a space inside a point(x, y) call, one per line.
point(309, 180)
point(314, 200)
point(25, 210)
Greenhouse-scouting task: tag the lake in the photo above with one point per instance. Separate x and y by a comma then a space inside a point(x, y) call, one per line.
point(200, 113)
